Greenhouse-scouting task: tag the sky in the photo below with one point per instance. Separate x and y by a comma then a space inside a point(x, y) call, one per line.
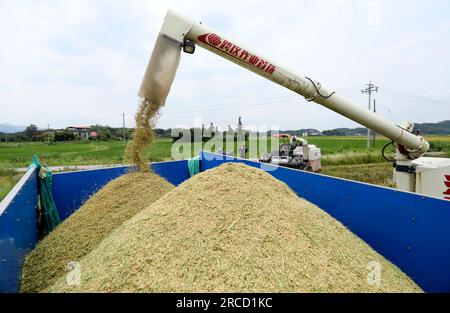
point(81, 62)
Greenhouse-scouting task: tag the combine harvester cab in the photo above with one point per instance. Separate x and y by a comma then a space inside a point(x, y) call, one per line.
point(410, 230)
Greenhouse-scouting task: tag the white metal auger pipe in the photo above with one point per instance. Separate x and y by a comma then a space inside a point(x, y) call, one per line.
point(180, 29)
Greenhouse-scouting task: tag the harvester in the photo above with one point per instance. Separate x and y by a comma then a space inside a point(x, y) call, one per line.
point(295, 153)
point(412, 171)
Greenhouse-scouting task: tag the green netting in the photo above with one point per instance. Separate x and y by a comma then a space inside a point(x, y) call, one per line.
point(49, 217)
point(194, 166)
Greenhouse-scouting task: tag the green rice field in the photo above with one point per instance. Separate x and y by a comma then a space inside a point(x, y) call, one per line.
point(346, 157)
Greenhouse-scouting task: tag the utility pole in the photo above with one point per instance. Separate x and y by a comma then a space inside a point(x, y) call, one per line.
point(48, 133)
point(370, 88)
point(239, 124)
point(374, 111)
point(123, 126)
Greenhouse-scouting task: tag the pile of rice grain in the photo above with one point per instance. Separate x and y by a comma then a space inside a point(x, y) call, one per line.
point(117, 202)
point(233, 229)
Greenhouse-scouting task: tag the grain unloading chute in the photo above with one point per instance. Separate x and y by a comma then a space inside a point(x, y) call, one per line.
point(180, 33)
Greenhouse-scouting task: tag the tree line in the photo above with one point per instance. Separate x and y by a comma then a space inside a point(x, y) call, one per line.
point(33, 134)
point(107, 133)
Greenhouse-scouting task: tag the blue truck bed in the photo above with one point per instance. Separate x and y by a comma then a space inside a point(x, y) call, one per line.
point(410, 230)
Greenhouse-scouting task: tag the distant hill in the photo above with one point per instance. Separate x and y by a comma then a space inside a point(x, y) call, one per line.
point(299, 132)
point(9, 129)
point(441, 128)
point(359, 131)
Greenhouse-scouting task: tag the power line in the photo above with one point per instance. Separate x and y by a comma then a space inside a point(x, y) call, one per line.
point(413, 98)
point(260, 102)
point(416, 101)
point(362, 38)
point(235, 106)
point(237, 100)
point(344, 64)
point(352, 43)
